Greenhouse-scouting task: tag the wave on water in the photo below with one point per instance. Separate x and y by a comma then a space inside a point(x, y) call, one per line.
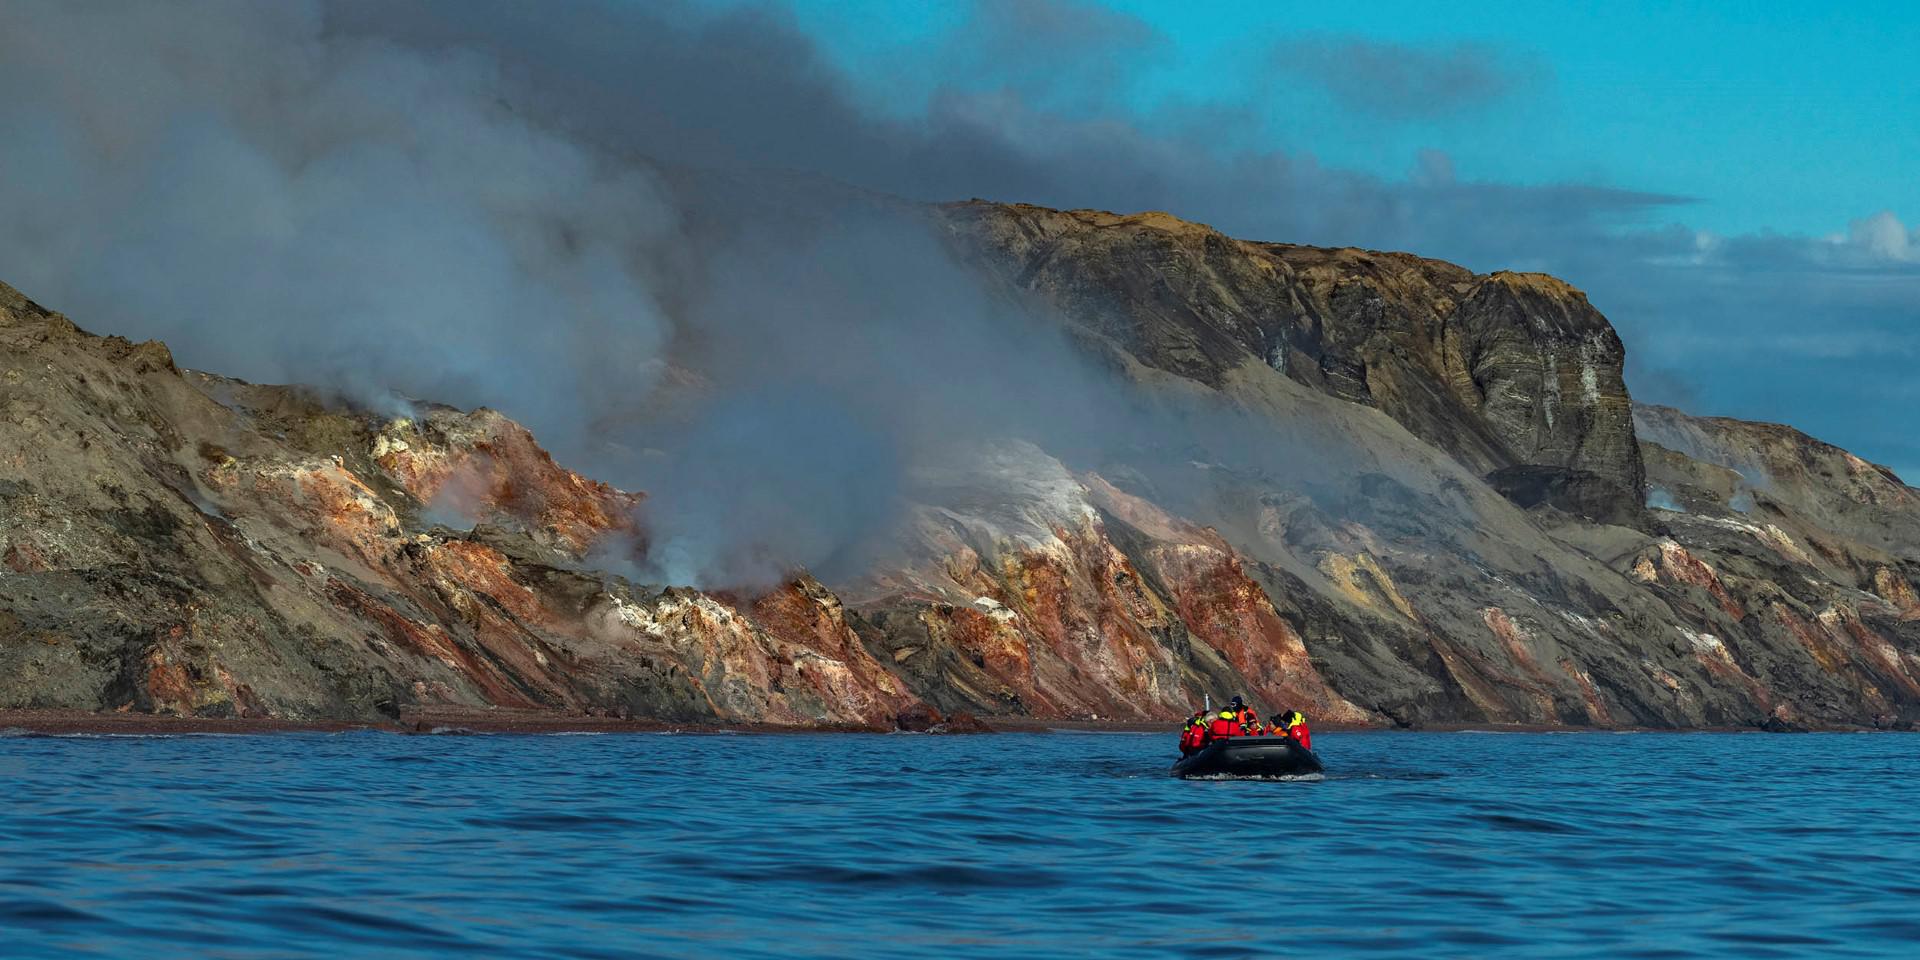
point(21, 733)
point(1287, 778)
point(1385, 775)
point(1068, 844)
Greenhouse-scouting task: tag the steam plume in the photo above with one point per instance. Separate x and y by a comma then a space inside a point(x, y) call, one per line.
point(554, 211)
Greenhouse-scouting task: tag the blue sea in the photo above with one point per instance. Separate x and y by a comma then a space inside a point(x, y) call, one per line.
point(1018, 845)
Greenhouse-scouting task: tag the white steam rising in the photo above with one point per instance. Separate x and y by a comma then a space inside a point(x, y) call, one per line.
point(282, 204)
point(287, 201)
point(483, 204)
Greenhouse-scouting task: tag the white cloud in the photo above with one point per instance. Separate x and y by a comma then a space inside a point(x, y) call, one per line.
point(1885, 237)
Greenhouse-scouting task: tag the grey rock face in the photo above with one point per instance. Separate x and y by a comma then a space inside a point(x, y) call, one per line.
point(1501, 370)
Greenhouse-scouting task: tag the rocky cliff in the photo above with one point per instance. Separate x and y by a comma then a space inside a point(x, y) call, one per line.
point(1513, 374)
point(1399, 492)
point(178, 542)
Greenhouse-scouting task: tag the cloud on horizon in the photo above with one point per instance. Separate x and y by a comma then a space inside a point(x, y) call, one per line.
point(1885, 237)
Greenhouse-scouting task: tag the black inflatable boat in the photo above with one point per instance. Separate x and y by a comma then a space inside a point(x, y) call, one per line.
point(1249, 758)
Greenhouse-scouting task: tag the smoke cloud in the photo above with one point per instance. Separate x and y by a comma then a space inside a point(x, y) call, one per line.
point(285, 205)
point(673, 240)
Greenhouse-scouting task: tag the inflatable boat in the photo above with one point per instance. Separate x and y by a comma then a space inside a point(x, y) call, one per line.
point(1249, 758)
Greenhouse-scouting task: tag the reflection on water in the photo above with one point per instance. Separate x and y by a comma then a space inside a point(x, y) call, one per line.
point(1043, 845)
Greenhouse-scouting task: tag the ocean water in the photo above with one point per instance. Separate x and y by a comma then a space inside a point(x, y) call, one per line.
point(1043, 845)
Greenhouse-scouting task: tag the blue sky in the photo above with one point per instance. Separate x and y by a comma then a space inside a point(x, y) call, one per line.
point(1790, 117)
point(1733, 184)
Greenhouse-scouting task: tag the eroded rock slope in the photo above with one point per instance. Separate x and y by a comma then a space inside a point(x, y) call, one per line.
point(177, 542)
point(1422, 496)
point(1509, 372)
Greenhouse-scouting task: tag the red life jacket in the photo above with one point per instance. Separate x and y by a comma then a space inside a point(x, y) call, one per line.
point(1192, 737)
point(1300, 732)
point(1223, 727)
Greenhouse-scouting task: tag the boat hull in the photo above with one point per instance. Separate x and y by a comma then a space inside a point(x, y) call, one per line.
point(1250, 758)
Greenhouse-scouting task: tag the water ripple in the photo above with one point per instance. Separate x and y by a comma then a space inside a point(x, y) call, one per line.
point(1018, 845)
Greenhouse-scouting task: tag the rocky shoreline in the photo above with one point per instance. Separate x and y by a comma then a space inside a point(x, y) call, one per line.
point(440, 722)
point(534, 723)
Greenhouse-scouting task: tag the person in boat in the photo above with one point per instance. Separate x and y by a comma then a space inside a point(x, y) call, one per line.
point(1224, 724)
point(1193, 734)
point(1249, 721)
point(1293, 724)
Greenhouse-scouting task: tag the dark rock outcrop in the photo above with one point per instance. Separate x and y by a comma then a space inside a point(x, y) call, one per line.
point(1502, 370)
point(1582, 493)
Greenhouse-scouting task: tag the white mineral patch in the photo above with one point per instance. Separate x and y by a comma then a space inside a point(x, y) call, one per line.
point(634, 615)
point(995, 609)
point(1891, 655)
point(1592, 626)
point(1589, 373)
point(1768, 534)
point(1551, 402)
point(1705, 643)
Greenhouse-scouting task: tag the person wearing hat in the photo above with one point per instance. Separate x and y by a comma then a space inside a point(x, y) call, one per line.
point(1294, 724)
point(1193, 734)
point(1248, 720)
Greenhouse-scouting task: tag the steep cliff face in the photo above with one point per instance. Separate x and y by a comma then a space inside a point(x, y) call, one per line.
point(1418, 594)
point(182, 543)
point(1502, 371)
point(1777, 465)
point(1068, 597)
point(1395, 492)
point(1802, 554)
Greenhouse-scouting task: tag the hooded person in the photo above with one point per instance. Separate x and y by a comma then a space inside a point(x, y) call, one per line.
point(1244, 715)
point(1193, 734)
point(1294, 723)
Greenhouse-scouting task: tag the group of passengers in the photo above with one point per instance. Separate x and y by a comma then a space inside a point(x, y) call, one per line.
point(1239, 720)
